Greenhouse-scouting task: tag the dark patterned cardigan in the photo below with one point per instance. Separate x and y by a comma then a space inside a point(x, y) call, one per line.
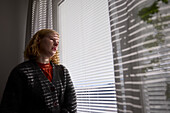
point(29, 91)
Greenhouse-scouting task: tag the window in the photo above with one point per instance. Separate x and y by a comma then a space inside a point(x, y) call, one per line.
point(86, 51)
point(141, 54)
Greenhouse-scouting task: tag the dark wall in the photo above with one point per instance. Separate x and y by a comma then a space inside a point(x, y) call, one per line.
point(13, 17)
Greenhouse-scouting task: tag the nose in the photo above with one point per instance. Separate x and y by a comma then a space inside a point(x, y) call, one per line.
point(56, 43)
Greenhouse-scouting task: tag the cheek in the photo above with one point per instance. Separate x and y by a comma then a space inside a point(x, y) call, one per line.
point(46, 43)
point(44, 46)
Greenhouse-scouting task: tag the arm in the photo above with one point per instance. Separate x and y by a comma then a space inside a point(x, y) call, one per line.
point(12, 97)
point(69, 103)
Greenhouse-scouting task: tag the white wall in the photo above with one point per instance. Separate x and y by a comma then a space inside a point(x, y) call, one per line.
point(13, 17)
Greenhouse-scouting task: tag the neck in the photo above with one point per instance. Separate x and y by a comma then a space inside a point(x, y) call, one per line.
point(43, 60)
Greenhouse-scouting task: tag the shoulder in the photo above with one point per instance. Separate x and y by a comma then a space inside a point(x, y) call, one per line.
point(26, 63)
point(17, 72)
point(60, 66)
point(62, 69)
point(23, 66)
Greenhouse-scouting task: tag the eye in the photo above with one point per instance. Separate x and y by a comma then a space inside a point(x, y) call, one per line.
point(52, 39)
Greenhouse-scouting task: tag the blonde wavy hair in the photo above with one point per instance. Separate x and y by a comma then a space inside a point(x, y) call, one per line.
point(32, 50)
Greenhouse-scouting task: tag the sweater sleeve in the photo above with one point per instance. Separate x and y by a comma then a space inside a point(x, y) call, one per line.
point(70, 103)
point(13, 94)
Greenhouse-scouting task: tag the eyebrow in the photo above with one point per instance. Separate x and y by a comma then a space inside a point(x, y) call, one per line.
point(52, 37)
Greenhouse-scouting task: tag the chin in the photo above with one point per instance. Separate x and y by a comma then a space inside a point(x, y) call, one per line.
point(53, 54)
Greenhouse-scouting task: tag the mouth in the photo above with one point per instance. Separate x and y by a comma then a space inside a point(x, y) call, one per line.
point(54, 48)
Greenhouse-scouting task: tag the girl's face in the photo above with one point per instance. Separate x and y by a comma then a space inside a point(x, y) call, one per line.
point(48, 45)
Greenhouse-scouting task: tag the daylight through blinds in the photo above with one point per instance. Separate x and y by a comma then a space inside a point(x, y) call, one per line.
point(41, 15)
point(141, 48)
point(86, 51)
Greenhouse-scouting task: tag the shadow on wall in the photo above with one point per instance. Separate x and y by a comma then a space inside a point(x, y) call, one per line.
point(13, 27)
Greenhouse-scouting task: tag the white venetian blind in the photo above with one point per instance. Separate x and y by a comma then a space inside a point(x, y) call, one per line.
point(141, 55)
point(86, 50)
point(41, 15)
